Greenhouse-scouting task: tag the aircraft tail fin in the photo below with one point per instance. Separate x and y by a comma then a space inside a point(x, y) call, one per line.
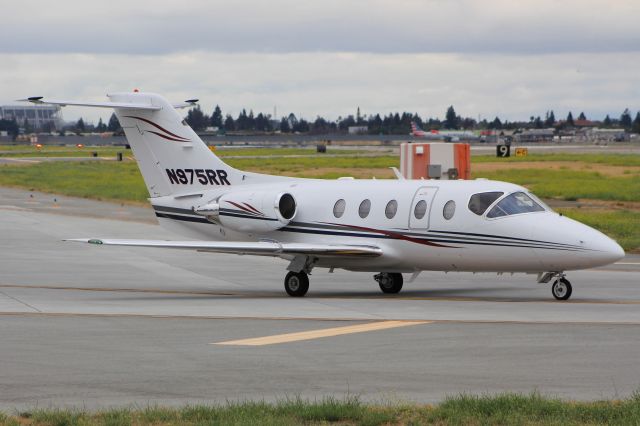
point(171, 156)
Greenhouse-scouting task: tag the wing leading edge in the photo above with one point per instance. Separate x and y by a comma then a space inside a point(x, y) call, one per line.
point(261, 248)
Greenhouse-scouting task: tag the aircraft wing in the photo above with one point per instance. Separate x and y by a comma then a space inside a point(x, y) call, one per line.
point(260, 248)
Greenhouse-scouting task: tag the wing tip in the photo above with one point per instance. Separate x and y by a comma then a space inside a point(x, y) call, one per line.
point(96, 241)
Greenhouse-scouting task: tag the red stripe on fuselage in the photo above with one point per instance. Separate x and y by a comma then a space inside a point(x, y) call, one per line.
point(240, 206)
point(253, 208)
point(394, 235)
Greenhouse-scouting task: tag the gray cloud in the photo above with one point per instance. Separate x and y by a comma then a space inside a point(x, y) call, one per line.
point(334, 84)
point(488, 58)
point(284, 26)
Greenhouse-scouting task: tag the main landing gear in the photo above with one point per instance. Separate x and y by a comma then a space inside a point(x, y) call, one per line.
point(389, 282)
point(296, 284)
point(561, 287)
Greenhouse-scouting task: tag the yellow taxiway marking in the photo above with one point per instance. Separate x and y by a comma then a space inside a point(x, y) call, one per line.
point(317, 334)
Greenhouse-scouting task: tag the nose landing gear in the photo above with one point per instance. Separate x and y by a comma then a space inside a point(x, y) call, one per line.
point(389, 282)
point(561, 287)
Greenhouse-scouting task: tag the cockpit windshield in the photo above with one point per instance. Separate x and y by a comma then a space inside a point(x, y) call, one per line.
point(479, 203)
point(516, 203)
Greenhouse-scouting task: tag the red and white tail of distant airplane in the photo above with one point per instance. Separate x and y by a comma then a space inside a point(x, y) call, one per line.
point(419, 133)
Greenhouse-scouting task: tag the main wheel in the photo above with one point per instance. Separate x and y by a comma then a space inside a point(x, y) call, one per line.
point(561, 289)
point(390, 283)
point(296, 284)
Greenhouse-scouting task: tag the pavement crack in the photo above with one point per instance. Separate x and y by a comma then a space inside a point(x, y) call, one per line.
point(20, 301)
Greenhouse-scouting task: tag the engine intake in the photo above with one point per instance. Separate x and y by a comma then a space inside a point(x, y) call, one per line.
point(287, 206)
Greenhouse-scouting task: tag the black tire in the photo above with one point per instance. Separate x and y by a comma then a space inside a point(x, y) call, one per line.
point(391, 283)
point(561, 289)
point(296, 284)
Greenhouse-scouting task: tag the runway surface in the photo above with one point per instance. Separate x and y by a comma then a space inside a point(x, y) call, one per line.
point(94, 326)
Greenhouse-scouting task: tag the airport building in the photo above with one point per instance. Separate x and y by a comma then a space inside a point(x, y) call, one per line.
point(535, 135)
point(38, 116)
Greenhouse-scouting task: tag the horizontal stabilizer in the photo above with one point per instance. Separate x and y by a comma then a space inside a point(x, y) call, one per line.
point(263, 248)
point(186, 104)
point(126, 105)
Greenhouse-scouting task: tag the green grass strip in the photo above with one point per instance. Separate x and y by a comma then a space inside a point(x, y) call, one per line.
point(571, 184)
point(608, 159)
point(621, 225)
point(502, 409)
point(17, 151)
point(101, 180)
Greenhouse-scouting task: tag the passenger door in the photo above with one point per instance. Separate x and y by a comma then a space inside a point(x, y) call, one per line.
point(421, 207)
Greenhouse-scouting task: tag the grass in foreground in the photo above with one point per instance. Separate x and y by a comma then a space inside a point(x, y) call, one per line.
point(502, 409)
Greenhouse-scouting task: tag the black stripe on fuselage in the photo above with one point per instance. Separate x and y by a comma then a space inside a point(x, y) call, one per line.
point(245, 216)
point(223, 212)
point(427, 239)
point(182, 218)
point(346, 231)
point(172, 210)
point(452, 237)
point(503, 237)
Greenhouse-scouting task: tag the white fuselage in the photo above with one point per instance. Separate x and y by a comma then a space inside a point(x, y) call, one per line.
point(528, 242)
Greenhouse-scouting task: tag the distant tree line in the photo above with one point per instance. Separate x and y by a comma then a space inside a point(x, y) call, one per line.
point(375, 124)
point(392, 123)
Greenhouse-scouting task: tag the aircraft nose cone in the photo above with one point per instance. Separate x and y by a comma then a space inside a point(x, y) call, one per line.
point(605, 250)
point(587, 247)
point(612, 251)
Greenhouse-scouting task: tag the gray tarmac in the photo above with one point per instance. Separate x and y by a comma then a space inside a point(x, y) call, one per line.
point(91, 326)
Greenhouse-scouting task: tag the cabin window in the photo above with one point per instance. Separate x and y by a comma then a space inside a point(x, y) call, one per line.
point(391, 209)
point(516, 203)
point(420, 209)
point(364, 209)
point(338, 208)
point(449, 209)
point(479, 203)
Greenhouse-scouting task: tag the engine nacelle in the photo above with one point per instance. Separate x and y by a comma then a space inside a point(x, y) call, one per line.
point(256, 211)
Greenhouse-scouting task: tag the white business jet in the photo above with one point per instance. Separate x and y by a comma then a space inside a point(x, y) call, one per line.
point(389, 227)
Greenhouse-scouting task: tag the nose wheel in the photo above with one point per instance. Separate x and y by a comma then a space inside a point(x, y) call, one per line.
point(561, 289)
point(389, 282)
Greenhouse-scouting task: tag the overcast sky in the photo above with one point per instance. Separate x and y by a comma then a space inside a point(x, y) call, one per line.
point(507, 58)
